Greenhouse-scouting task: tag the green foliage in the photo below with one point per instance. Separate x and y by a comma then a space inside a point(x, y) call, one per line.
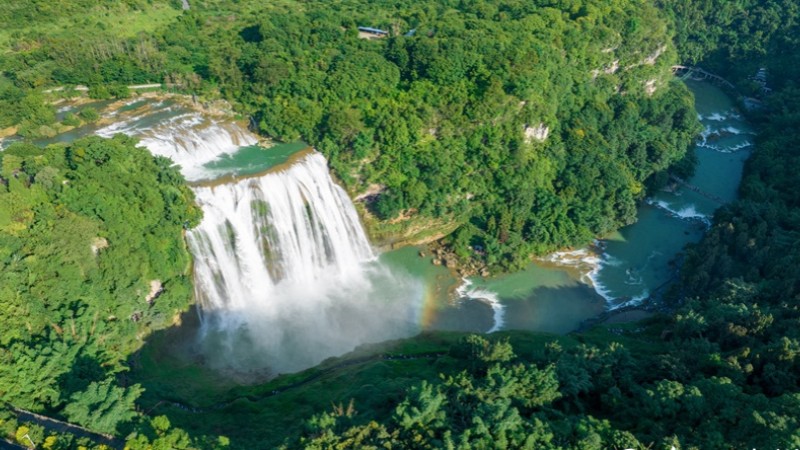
point(24, 108)
point(99, 92)
point(441, 119)
point(89, 114)
point(572, 395)
point(102, 406)
point(461, 411)
point(119, 91)
point(84, 229)
point(737, 37)
point(71, 120)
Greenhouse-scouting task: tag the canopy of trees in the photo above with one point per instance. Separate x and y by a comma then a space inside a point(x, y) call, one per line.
point(443, 119)
point(91, 256)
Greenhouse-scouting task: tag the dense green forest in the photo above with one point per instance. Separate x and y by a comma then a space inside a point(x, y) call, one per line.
point(92, 259)
point(438, 119)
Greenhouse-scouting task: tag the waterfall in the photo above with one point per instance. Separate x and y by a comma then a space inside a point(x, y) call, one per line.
point(259, 235)
point(283, 270)
point(286, 275)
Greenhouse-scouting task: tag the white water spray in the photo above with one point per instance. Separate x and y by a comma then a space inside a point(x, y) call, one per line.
point(466, 291)
point(286, 274)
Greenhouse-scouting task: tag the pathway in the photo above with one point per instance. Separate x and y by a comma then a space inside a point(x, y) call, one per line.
point(59, 426)
point(696, 72)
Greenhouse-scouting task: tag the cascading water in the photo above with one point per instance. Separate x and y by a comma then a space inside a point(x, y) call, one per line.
point(282, 265)
point(279, 251)
point(189, 138)
point(293, 226)
point(283, 270)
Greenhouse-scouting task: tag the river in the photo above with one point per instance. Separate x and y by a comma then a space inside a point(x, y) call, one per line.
point(558, 293)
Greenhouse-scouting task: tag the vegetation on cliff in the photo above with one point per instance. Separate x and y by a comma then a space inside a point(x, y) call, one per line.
point(525, 126)
point(92, 258)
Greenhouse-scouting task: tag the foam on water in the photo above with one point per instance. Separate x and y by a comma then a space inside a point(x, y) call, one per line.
point(717, 135)
point(687, 212)
point(589, 262)
point(467, 291)
point(725, 132)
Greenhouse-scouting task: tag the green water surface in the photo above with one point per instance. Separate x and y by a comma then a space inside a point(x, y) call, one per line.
point(254, 159)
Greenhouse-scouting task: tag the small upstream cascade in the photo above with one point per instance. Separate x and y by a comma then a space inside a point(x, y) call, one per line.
point(190, 138)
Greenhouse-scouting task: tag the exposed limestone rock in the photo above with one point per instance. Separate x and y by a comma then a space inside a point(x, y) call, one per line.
point(155, 290)
point(98, 244)
point(650, 86)
point(651, 59)
point(372, 190)
point(613, 68)
point(538, 133)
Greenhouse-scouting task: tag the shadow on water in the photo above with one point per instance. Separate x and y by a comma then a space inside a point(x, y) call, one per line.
point(557, 310)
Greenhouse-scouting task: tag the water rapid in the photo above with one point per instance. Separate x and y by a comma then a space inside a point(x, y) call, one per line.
point(189, 138)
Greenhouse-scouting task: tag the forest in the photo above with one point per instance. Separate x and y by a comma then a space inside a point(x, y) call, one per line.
point(450, 129)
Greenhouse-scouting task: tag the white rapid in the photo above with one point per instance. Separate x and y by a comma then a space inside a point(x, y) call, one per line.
point(467, 291)
point(189, 138)
point(286, 275)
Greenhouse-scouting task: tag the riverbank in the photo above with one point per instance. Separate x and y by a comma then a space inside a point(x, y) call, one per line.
point(629, 268)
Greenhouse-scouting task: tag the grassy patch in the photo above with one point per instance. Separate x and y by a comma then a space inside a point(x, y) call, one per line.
point(112, 18)
point(413, 230)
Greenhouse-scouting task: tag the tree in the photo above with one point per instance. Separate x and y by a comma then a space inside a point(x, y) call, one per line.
point(103, 406)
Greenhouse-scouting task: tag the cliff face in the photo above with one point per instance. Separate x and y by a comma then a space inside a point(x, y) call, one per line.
point(408, 228)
